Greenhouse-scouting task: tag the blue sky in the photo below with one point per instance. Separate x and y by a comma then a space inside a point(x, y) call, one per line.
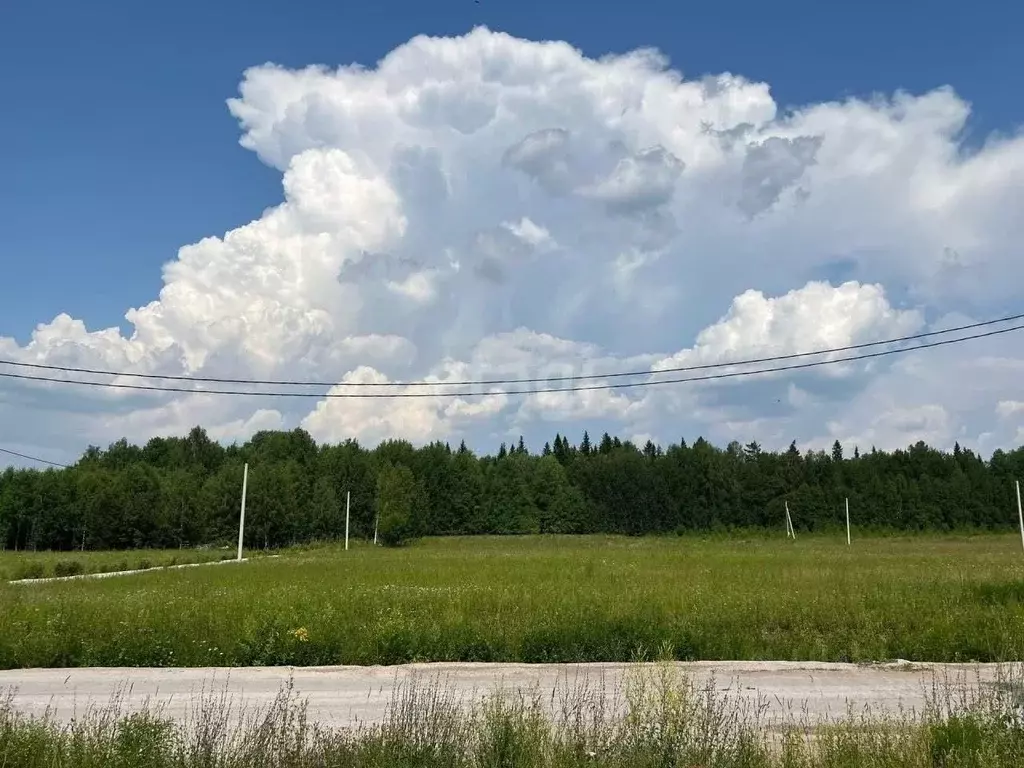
point(485, 206)
point(119, 148)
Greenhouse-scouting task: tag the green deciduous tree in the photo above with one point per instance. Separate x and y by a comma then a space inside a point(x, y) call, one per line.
point(397, 504)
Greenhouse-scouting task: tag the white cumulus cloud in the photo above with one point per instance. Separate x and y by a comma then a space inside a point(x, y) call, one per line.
point(487, 207)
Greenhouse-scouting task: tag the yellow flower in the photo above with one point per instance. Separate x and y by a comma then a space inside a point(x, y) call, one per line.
point(301, 634)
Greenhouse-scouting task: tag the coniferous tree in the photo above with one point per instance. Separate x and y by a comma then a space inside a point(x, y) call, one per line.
point(837, 452)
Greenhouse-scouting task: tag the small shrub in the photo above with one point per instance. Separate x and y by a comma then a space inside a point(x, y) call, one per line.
point(144, 565)
point(34, 570)
point(68, 568)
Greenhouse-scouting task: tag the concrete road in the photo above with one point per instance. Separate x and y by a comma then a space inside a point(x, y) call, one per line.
point(340, 696)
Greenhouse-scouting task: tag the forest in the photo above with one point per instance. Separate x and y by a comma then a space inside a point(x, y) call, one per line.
point(185, 491)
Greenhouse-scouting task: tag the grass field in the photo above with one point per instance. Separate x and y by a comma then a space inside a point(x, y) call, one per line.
point(542, 599)
point(40, 565)
point(660, 719)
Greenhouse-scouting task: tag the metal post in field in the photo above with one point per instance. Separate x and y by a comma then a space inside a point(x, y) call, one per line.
point(241, 518)
point(1020, 514)
point(348, 501)
point(847, 521)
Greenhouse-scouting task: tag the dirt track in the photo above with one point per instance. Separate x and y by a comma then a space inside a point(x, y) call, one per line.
point(340, 695)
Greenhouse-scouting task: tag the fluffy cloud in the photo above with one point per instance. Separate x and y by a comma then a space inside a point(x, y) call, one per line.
point(418, 413)
point(817, 316)
point(485, 207)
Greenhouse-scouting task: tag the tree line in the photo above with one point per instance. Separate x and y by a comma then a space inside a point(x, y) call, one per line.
point(185, 491)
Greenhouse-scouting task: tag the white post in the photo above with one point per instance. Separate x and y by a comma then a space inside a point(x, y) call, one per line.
point(847, 521)
point(1020, 514)
point(376, 521)
point(241, 519)
point(348, 500)
point(789, 523)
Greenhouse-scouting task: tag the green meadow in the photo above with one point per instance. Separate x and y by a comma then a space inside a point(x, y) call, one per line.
point(540, 599)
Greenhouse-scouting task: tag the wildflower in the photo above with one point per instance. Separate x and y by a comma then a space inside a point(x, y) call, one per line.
point(301, 634)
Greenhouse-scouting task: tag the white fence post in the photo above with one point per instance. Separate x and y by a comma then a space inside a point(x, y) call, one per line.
point(847, 521)
point(348, 501)
point(1020, 514)
point(241, 518)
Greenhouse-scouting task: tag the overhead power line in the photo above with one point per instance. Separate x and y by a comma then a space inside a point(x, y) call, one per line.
point(33, 458)
point(488, 382)
point(533, 391)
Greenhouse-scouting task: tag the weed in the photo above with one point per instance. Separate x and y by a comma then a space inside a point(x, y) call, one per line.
point(659, 719)
point(68, 568)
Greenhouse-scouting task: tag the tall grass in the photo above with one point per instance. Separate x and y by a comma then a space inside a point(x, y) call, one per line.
point(661, 719)
point(41, 565)
point(539, 599)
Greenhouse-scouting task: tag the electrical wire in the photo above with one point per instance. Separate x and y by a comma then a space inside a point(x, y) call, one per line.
point(33, 458)
point(489, 382)
point(535, 391)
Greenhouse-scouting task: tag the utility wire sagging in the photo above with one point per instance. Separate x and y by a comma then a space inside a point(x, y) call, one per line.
point(486, 382)
point(537, 390)
point(33, 458)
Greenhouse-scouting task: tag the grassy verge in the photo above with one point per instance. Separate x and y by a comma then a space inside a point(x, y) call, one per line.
point(537, 599)
point(659, 720)
point(42, 565)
